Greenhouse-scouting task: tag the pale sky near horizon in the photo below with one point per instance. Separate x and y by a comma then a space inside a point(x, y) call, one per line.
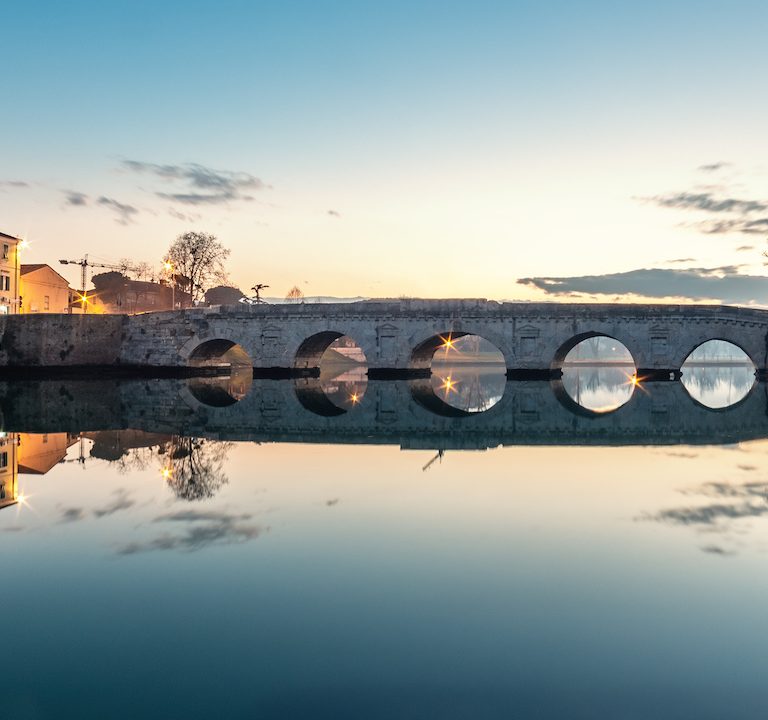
point(400, 148)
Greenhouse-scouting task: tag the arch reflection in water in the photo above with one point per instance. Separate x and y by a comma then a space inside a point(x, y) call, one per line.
point(224, 390)
point(718, 374)
point(599, 374)
point(468, 373)
point(342, 381)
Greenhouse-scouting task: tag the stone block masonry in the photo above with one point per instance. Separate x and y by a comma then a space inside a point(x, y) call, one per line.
point(393, 334)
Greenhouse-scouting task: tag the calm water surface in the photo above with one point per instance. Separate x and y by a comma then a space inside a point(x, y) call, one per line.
point(519, 561)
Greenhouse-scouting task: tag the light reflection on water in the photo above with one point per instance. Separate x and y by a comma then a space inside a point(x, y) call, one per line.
point(467, 387)
point(341, 581)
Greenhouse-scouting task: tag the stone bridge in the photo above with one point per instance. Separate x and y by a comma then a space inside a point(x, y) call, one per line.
point(393, 334)
point(390, 412)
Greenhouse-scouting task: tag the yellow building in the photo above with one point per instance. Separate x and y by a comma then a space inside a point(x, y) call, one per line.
point(9, 470)
point(9, 273)
point(43, 290)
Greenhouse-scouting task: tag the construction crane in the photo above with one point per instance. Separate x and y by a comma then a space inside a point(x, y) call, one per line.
point(437, 457)
point(84, 264)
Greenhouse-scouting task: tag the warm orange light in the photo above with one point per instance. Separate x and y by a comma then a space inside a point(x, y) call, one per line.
point(448, 342)
point(354, 398)
point(168, 266)
point(449, 385)
point(167, 472)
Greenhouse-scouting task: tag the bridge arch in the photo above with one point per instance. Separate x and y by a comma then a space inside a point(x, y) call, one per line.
point(219, 352)
point(562, 352)
point(425, 349)
point(736, 341)
point(310, 351)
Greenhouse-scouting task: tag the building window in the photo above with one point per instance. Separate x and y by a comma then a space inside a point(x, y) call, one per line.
point(46, 302)
point(4, 460)
point(6, 251)
point(5, 281)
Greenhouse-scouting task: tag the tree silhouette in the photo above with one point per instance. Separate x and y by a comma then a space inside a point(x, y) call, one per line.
point(198, 260)
point(195, 468)
point(295, 294)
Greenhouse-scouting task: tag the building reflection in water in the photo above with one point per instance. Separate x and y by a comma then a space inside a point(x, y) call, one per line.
point(28, 454)
point(9, 470)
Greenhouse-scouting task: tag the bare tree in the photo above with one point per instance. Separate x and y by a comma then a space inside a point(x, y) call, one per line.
point(295, 294)
point(198, 260)
point(196, 469)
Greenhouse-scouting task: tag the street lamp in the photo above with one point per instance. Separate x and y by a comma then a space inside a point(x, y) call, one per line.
point(21, 245)
point(168, 265)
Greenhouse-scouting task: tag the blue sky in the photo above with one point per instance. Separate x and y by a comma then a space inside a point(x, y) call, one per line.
point(417, 148)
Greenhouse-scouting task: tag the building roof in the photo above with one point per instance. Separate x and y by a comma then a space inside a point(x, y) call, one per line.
point(27, 268)
point(10, 237)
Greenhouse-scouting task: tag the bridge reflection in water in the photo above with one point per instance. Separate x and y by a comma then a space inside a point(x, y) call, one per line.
point(476, 411)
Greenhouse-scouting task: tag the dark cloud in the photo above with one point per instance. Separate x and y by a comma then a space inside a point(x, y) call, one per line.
point(717, 550)
point(13, 184)
point(745, 248)
point(121, 502)
point(199, 531)
point(334, 213)
point(709, 203)
point(125, 213)
point(724, 284)
point(713, 167)
point(745, 226)
point(200, 185)
point(680, 260)
point(710, 514)
point(332, 502)
point(729, 490)
point(75, 198)
point(72, 514)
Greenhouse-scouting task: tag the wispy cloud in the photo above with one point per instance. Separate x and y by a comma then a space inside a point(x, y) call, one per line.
point(13, 184)
point(713, 167)
point(198, 184)
point(125, 213)
point(723, 284)
point(728, 212)
point(184, 217)
point(334, 213)
point(73, 197)
point(72, 514)
point(199, 531)
point(121, 502)
point(708, 202)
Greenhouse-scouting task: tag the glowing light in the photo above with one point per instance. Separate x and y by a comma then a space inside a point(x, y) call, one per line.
point(354, 397)
point(168, 266)
point(449, 385)
point(448, 342)
point(166, 473)
point(23, 244)
point(21, 498)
